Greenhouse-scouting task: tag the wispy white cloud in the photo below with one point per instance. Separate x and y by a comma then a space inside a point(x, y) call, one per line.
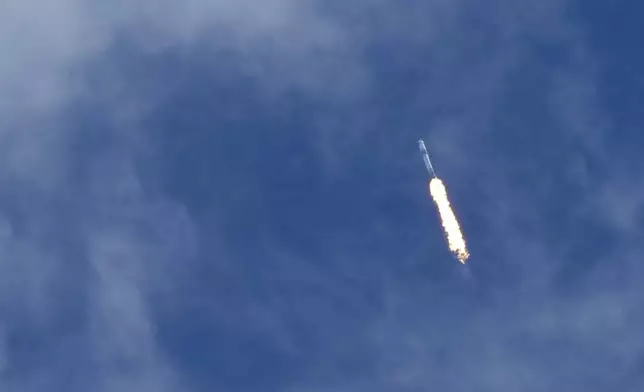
point(126, 239)
point(91, 228)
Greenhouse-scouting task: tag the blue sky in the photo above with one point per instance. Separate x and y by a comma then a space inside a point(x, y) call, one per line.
point(228, 196)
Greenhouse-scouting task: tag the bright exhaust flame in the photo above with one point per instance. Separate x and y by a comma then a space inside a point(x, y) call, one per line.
point(455, 238)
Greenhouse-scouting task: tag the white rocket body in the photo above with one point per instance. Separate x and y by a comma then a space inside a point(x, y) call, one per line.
point(428, 163)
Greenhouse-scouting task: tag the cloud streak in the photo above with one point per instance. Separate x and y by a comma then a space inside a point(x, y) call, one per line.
point(92, 246)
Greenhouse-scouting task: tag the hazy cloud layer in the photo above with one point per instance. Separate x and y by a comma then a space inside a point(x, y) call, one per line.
point(95, 252)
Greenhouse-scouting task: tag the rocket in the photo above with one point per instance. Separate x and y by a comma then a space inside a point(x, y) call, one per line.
point(428, 163)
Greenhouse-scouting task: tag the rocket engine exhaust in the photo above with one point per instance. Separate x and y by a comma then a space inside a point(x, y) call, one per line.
point(452, 229)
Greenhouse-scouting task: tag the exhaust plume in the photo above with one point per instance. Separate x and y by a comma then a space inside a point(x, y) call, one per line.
point(452, 229)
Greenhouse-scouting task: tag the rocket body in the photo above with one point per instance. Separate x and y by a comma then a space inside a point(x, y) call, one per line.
point(451, 227)
point(428, 163)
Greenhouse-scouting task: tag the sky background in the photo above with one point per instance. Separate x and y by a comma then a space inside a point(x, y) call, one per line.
point(227, 195)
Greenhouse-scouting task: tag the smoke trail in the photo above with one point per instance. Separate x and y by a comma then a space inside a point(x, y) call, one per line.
point(455, 238)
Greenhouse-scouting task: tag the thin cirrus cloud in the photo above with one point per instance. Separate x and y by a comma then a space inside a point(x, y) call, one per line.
point(87, 243)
